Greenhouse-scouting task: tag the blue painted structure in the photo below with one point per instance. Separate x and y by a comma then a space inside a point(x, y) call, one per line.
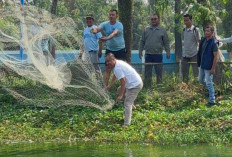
point(69, 55)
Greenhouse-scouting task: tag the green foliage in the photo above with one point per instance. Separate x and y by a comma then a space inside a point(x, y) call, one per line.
point(8, 27)
point(227, 24)
point(62, 10)
point(203, 13)
point(169, 113)
point(161, 5)
point(227, 72)
point(44, 4)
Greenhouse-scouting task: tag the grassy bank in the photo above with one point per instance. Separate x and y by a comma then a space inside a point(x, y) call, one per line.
point(165, 114)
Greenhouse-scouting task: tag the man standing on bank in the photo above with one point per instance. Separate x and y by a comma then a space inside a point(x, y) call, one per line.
point(154, 38)
point(92, 45)
point(114, 39)
point(129, 81)
point(191, 38)
point(207, 60)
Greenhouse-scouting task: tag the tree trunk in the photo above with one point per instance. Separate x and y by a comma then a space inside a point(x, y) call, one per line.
point(125, 8)
point(178, 31)
point(54, 6)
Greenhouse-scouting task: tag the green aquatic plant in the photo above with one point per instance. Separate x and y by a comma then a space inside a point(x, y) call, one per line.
point(165, 114)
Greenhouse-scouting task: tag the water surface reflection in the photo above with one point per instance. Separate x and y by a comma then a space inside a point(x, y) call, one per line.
point(91, 149)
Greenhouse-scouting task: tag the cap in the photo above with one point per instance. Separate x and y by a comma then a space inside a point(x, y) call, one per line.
point(89, 16)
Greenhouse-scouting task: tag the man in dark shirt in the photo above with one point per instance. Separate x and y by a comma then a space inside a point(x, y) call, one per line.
point(207, 60)
point(154, 39)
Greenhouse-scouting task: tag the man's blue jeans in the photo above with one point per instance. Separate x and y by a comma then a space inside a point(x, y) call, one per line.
point(207, 80)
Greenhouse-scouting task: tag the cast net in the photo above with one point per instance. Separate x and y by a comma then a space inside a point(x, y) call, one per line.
point(36, 78)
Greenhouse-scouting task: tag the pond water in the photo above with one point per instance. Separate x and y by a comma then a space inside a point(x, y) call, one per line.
point(90, 149)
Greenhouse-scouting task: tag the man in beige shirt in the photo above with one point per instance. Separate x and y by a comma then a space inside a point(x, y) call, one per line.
point(191, 37)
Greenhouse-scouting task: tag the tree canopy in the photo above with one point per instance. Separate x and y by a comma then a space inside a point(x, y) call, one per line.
point(204, 12)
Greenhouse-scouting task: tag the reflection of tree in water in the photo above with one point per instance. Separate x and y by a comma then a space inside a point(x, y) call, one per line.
point(128, 152)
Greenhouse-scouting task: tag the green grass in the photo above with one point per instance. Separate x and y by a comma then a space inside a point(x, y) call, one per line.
point(171, 113)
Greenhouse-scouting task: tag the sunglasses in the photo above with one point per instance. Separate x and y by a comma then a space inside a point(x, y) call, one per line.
point(153, 19)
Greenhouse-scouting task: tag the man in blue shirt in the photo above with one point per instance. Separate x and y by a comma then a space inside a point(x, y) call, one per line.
point(114, 39)
point(92, 45)
point(207, 60)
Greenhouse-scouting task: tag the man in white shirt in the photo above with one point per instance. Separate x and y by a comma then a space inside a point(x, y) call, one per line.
point(226, 40)
point(130, 82)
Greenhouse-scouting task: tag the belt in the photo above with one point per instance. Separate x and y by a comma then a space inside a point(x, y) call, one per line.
point(92, 51)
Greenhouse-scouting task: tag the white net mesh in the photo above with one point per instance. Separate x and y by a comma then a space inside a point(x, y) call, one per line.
point(36, 78)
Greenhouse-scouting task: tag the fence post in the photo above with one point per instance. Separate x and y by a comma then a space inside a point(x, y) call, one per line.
point(21, 34)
